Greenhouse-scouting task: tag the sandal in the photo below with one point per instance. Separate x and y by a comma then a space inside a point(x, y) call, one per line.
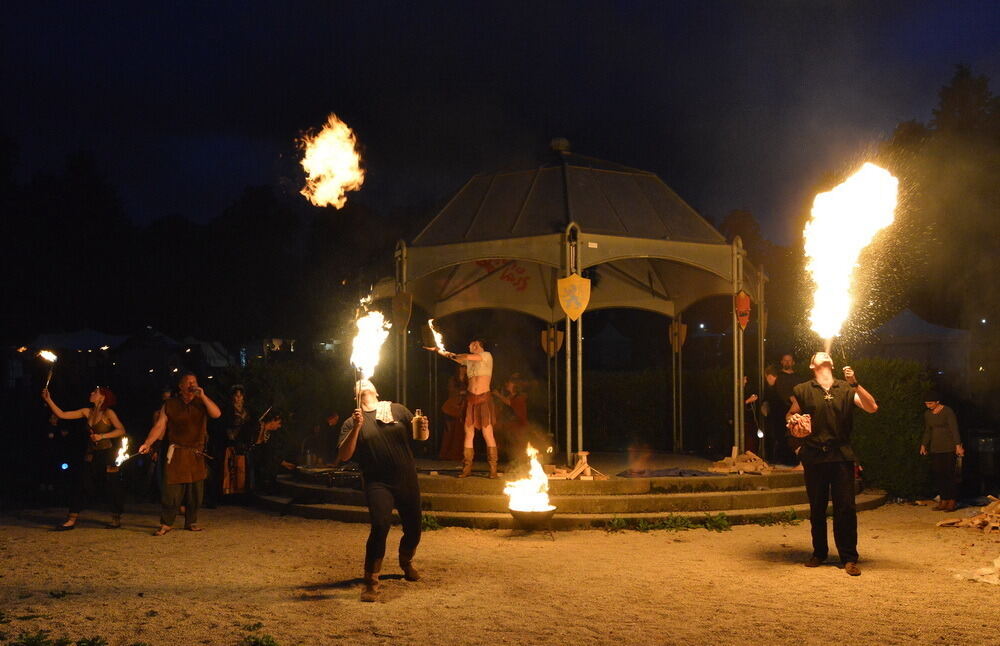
point(64, 528)
point(116, 522)
point(195, 528)
point(162, 531)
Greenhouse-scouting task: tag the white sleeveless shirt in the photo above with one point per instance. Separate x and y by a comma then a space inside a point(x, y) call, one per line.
point(482, 368)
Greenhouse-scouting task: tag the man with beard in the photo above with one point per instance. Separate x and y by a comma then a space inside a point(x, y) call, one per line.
point(778, 395)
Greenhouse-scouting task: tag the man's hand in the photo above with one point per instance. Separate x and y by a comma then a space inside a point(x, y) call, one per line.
point(751, 399)
point(144, 449)
point(959, 450)
point(358, 418)
point(849, 376)
point(425, 427)
point(46, 396)
point(771, 379)
point(800, 425)
point(923, 450)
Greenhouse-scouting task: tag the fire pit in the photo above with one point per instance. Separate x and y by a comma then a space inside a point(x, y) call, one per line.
point(531, 521)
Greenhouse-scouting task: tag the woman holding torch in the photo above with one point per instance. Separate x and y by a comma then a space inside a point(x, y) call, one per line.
point(98, 462)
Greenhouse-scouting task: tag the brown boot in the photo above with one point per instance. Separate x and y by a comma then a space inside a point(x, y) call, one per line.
point(467, 457)
point(491, 459)
point(371, 591)
point(949, 505)
point(406, 563)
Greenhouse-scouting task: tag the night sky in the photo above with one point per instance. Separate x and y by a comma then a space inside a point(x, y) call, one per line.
point(734, 104)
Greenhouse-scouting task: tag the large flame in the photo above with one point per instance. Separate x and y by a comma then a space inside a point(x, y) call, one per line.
point(438, 339)
point(122, 452)
point(48, 355)
point(373, 330)
point(843, 223)
point(332, 164)
point(531, 493)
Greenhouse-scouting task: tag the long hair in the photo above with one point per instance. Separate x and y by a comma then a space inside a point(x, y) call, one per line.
point(109, 398)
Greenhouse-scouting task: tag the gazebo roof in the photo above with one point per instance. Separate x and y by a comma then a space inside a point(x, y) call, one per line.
point(600, 196)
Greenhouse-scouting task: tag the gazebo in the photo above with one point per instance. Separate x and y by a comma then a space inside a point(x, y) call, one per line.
point(505, 239)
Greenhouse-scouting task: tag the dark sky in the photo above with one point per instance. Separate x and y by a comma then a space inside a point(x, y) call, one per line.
point(734, 104)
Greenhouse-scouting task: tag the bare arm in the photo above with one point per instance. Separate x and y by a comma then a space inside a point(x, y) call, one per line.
point(210, 407)
point(794, 409)
point(350, 443)
point(155, 433)
point(864, 400)
point(60, 413)
point(117, 430)
point(457, 358)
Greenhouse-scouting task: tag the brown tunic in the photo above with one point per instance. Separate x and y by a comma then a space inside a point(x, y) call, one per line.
point(187, 430)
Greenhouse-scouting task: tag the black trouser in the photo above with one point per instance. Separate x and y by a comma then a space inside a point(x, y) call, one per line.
point(823, 481)
point(778, 450)
point(943, 468)
point(189, 494)
point(92, 476)
point(382, 497)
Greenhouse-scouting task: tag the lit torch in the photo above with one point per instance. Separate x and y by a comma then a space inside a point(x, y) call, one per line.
point(122, 452)
point(51, 357)
point(373, 330)
point(332, 164)
point(438, 339)
point(844, 221)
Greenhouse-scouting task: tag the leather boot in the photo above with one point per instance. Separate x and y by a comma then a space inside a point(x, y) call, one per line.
point(371, 591)
point(939, 506)
point(491, 459)
point(406, 563)
point(467, 457)
point(949, 505)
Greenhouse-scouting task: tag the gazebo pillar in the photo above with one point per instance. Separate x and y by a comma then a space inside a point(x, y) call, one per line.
point(738, 408)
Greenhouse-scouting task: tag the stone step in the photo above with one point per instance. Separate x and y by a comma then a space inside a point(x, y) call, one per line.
point(561, 520)
point(580, 503)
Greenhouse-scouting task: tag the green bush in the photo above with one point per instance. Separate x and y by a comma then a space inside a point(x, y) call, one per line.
point(717, 523)
point(887, 443)
point(616, 524)
point(429, 523)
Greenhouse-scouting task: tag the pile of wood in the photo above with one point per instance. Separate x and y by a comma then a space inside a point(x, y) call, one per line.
point(580, 471)
point(745, 463)
point(988, 519)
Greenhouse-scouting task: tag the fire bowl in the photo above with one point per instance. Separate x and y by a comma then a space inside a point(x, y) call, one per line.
point(530, 521)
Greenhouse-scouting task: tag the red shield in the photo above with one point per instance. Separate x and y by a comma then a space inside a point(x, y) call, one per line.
point(742, 305)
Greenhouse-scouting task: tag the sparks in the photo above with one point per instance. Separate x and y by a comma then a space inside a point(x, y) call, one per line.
point(332, 164)
point(844, 221)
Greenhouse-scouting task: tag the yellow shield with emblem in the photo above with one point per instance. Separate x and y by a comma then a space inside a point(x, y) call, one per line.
point(574, 294)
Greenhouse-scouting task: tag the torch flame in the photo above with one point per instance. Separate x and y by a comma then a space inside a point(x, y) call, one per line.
point(332, 164)
point(531, 493)
point(844, 221)
point(438, 339)
point(373, 330)
point(122, 452)
point(48, 355)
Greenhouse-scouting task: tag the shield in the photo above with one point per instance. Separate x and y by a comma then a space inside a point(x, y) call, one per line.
point(402, 305)
point(552, 340)
point(678, 334)
point(742, 305)
point(574, 294)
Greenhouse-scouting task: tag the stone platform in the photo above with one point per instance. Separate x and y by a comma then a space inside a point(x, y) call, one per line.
point(479, 502)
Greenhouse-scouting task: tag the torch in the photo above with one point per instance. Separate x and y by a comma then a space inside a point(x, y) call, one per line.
point(844, 221)
point(438, 339)
point(51, 357)
point(122, 452)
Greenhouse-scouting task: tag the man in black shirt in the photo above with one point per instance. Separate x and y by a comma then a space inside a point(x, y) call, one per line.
point(821, 417)
point(778, 395)
point(377, 438)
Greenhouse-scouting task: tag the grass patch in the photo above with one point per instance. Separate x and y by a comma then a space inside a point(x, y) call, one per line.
point(259, 640)
point(784, 518)
point(717, 523)
point(40, 638)
point(429, 523)
point(4, 619)
point(252, 627)
point(28, 617)
point(92, 641)
point(675, 523)
point(616, 524)
point(59, 594)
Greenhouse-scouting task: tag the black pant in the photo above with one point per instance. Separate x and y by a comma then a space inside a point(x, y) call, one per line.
point(92, 476)
point(823, 481)
point(189, 494)
point(778, 450)
point(382, 497)
point(943, 468)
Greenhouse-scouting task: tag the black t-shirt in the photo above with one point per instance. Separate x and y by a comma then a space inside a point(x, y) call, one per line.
point(383, 451)
point(832, 421)
point(780, 393)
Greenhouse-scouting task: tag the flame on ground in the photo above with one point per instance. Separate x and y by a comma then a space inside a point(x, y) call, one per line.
point(531, 493)
point(332, 164)
point(844, 221)
point(122, 452)
point(438, 339)
point(373, 330)
point(48, 355)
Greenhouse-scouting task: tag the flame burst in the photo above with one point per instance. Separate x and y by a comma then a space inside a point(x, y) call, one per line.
point(438, 339)
point(843, 223)
point(48, 355)
point(531, 493)
point(373, 330)
point(122, 452)
point(332, 164)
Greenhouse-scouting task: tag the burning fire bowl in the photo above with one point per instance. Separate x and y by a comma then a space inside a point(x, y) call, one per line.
point(530, 521)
